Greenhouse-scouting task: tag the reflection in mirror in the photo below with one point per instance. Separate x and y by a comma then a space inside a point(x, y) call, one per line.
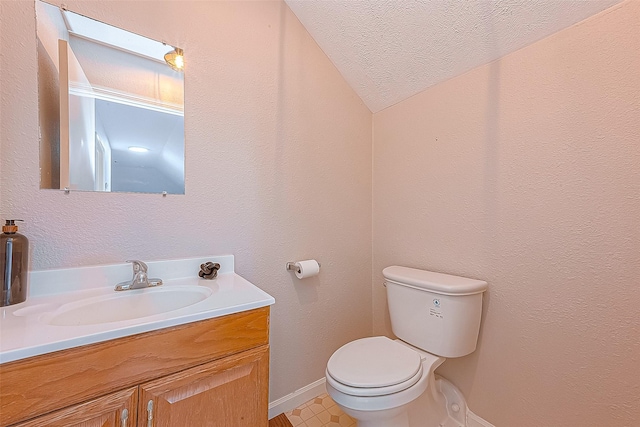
point(111, 107)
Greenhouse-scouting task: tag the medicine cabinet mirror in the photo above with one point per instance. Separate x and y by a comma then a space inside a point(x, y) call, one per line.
point(111, 107)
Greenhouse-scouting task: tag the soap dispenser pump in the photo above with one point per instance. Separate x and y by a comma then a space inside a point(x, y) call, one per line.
point(14, 264)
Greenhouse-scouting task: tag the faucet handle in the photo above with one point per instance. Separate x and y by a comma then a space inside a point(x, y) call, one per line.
point(138, 266)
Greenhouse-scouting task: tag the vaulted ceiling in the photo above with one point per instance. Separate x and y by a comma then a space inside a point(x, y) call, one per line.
point(389, 50)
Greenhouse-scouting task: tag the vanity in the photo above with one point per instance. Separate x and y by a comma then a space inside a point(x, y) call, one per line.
point(205, 363)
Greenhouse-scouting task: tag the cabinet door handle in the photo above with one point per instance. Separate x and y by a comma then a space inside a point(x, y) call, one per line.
point(124, 418)
point(150, 413)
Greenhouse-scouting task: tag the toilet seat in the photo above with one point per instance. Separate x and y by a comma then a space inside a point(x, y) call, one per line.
point(373, 366)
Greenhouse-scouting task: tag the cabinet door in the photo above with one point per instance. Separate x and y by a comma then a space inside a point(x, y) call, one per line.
point(229, 392)
point(113, 410)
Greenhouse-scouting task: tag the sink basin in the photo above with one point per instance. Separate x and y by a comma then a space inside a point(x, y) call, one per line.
point(126, 305)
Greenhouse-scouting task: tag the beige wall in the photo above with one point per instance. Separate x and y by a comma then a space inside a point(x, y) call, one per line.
point(278, 168)
point(526, 173)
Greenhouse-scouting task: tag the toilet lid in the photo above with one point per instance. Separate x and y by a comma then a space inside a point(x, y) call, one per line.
point(373, 362)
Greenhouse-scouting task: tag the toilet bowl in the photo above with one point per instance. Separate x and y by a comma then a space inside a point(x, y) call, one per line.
point(382, 382)
point(374, 380)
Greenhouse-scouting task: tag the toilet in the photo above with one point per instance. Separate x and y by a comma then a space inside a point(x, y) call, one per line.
point(382, 382)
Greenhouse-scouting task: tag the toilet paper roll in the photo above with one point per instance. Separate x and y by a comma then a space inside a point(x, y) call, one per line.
point(307, 268)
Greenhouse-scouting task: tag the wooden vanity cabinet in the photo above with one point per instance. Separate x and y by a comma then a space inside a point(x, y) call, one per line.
point(211, 373)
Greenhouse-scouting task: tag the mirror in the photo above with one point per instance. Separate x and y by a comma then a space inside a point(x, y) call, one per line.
point(111, 107)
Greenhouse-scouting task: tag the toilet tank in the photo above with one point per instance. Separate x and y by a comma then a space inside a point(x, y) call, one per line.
point(436, 312)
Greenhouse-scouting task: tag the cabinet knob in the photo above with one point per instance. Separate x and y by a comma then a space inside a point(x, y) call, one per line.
point(124, 417)
point(150, 413)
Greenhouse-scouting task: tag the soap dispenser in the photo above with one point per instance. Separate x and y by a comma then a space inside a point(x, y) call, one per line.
point(14, 264)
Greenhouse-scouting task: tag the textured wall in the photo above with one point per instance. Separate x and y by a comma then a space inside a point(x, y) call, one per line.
point(526, 173)
point(278, 168)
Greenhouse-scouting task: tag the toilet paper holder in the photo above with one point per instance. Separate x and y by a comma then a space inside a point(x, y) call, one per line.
point(291, 266)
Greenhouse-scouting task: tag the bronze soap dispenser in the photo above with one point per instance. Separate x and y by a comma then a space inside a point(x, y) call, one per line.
point(14, 264)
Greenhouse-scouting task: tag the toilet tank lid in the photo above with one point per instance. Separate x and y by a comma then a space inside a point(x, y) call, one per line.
point(435, 282)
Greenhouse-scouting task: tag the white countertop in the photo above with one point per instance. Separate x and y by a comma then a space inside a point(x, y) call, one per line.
point(25, 333)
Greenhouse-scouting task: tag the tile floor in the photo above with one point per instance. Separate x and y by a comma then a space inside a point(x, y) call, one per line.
point(320, 412)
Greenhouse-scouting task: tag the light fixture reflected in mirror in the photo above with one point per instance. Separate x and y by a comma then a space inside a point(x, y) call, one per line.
point(175, 59)
point(138, 149)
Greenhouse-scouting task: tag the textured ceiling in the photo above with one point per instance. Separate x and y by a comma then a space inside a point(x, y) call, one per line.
point(388, 50)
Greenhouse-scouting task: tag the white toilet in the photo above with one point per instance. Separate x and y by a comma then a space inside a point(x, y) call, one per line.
point(391, 383)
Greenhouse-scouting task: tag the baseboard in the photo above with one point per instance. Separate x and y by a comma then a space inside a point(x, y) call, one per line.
point(297, 398)
point(475, 421)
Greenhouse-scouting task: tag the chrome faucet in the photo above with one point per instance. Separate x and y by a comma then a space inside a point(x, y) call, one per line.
point(140, 278)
